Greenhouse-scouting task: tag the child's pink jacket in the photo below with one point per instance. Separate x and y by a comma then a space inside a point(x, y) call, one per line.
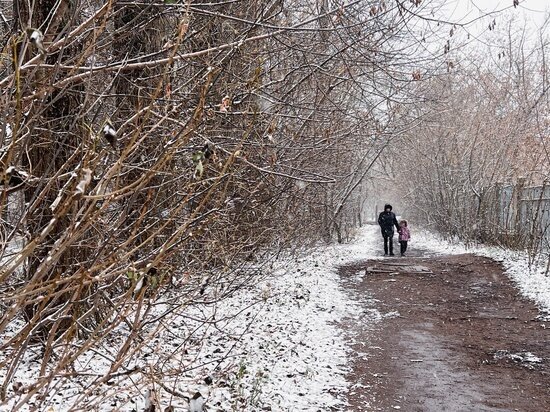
point(404, 234)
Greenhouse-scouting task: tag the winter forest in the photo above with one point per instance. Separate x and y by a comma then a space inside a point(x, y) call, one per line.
point(181, 179)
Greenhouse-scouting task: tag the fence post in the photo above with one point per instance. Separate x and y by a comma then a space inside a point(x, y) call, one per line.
point(518, 203)
point(498, 209)
point(544, 217)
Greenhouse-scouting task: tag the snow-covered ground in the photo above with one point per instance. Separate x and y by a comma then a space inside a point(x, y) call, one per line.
point(273, 346)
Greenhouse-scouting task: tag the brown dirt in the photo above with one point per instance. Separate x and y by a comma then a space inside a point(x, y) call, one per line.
point(445, 339)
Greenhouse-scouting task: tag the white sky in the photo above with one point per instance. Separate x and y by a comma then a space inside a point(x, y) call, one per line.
point(463, 11)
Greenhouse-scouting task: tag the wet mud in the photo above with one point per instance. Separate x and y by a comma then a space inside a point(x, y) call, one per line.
point(444, 333)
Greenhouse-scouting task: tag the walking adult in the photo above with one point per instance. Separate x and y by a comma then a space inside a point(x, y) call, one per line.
point(387, 221)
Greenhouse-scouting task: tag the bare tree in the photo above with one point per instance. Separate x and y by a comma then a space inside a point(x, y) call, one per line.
point(480, 128)
point(155, 149)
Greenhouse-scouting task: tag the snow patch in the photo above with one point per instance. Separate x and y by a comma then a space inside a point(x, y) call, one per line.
point(527, 359)
point(275, 344)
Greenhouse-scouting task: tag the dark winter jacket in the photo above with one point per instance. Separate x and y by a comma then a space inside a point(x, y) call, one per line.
point(387, 221)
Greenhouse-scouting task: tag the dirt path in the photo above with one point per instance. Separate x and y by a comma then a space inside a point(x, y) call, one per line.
point(454, 335)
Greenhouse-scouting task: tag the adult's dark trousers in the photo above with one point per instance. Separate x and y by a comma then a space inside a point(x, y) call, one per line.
point(388, 243)
point(403, 244)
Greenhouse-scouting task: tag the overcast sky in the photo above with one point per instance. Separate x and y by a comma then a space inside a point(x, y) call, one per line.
point(466, 10)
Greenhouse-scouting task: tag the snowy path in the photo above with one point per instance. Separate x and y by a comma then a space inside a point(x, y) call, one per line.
point(277, 345)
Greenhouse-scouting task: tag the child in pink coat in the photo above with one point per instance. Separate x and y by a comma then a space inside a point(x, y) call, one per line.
point(404, 236)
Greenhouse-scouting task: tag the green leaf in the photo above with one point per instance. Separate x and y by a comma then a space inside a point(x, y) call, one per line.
point(197, 157)
point(199, 169)
point(242, 371)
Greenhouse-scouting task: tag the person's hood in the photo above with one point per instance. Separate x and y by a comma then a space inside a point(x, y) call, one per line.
point(387, 207)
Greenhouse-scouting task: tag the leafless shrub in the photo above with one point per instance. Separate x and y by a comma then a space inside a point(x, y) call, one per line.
point(164, 149)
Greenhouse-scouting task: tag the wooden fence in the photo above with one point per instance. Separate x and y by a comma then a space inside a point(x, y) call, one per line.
point(522, 215)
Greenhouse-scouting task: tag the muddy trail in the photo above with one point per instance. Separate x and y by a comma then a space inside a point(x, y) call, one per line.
point(453, 334)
